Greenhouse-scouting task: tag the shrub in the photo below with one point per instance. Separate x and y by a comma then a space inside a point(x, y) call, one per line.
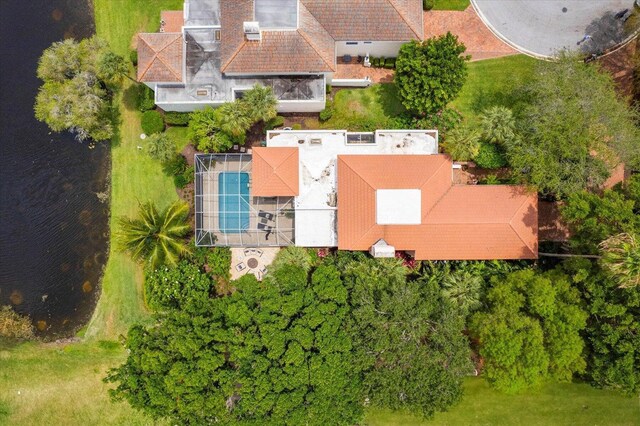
point(145, 100)
point(380, 61)
point(133, 57)
point(375, 61)
point(327, 112)
point(177, 118)
point(390, 63)
point(175, 166)
point(296, 126)
point(327, 89)
point(14, 325)
point(444, 121)
point(462, 143)
point(490, 156)
point(277, 121)
point(490, 180)
point(152, 122)
point(428, 4)
point(185, 178)
point(161, 147)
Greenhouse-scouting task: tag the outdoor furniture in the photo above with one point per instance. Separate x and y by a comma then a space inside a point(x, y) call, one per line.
point(263, 143)
point(263, 270)
point(263, 220)
point(243, 149)
point(241, 267)
point(235, 147)
point(261, 226)
point(346, 59)
point(249, 151)
point(266, 215)
point(252, 263)
point(248, 252)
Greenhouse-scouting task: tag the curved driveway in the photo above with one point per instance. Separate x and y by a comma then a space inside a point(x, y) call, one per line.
point(542, 27)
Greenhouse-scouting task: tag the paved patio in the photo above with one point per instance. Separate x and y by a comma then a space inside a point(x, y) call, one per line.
point(250, 260)
point(480, 41)
point(358, 71)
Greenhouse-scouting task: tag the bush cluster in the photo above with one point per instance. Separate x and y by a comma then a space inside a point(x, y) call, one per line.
point(490, 156)
point(152, 122)
point(145, 100)
point(172, 118)
point(14, 325)
point(382, 62)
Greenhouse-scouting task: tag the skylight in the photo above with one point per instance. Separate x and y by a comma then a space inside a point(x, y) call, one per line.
point(398, 206)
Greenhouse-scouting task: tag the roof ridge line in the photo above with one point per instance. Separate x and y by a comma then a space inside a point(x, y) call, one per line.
point(304, 36)
point(275, 169)
point(317, 20)
point(157, 56)
point(391, 2)
point(447, 161)
point(226, 64)
point(514, 229)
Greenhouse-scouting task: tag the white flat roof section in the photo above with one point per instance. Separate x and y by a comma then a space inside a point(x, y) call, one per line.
point(398, 206)
point(315, 206)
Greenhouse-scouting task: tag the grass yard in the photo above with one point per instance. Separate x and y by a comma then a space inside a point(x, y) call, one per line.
point(555, 404)
point(494, 82)
point(450, 4)
point(365, 109)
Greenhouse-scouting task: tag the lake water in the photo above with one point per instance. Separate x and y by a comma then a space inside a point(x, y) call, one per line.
point(53, 210)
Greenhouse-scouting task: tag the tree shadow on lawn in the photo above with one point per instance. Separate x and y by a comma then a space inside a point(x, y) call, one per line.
point(514, 98)
point(389, 99)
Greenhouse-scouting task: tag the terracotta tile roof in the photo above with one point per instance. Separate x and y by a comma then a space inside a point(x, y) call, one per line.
point(160, 57)
point(458, 221)
point(275, 172)
point(369, 20)
point(310, 48)
point(173, 21)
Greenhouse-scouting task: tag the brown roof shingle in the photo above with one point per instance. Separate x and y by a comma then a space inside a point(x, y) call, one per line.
point(310, 48)
point(369, 20)
point(458, 222)
point(160, 57)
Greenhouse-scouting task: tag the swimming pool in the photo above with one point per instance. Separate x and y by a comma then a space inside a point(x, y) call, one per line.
point(233, 192)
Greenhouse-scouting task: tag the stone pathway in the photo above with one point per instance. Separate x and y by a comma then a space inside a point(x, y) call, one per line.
point(480, 41)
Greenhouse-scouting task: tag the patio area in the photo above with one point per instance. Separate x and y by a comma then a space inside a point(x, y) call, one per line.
point(251, 260)
point(358, 71)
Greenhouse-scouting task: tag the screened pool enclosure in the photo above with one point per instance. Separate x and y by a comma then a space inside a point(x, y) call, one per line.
point(226, 212)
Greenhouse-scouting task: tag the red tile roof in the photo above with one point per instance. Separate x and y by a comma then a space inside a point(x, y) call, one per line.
point(458, 221)
point(275, 172)
point(310, 48)
point(160, 57)
point(171, 21)
point(369, 20)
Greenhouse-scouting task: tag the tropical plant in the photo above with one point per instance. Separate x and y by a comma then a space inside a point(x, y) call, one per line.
point(234, 118)
point(577, 129)
point(407, 337)
point(530, 331)
point(462, 143)
point(160, 147)
point(621, 259)
point(155, 237)
point(490, 156)
point(430, 73)
point(498, 125)
point(293, 255)
point(261, 103)
point(465, 289)
point(79, 81)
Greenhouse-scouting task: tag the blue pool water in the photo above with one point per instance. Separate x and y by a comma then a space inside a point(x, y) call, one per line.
point(233, 190)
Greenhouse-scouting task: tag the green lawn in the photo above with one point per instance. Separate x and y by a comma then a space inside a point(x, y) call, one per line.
point(555, 404)
point(365, 109)
point(450, 4)
point(492, 82)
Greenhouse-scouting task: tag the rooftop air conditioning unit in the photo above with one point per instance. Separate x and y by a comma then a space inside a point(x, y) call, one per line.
point(252, 31)
point(315, 141)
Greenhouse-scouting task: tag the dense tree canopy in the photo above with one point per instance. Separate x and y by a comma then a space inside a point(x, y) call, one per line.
point(613, 328)
point(408, 339)
point(430, 73)
point(575, 129)
point(531, 330)
point(271, 353)
point(593, 218)
point(79, 81)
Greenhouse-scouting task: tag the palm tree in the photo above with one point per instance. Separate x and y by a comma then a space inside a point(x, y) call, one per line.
point(262, 103)
point(621, 258)
point(498, 125)
point(233, 118)
point(462, 143)
point(464, 289)
point(155, 237)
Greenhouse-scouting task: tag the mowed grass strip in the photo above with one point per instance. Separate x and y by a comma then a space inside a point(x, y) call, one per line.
point(552, 405)
point(450, 4)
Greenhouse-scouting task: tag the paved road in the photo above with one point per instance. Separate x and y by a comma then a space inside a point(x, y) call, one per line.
point(543, 27)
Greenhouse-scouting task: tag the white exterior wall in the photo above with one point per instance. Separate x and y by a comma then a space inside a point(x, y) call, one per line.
point(387, 49)
point(301, 106)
